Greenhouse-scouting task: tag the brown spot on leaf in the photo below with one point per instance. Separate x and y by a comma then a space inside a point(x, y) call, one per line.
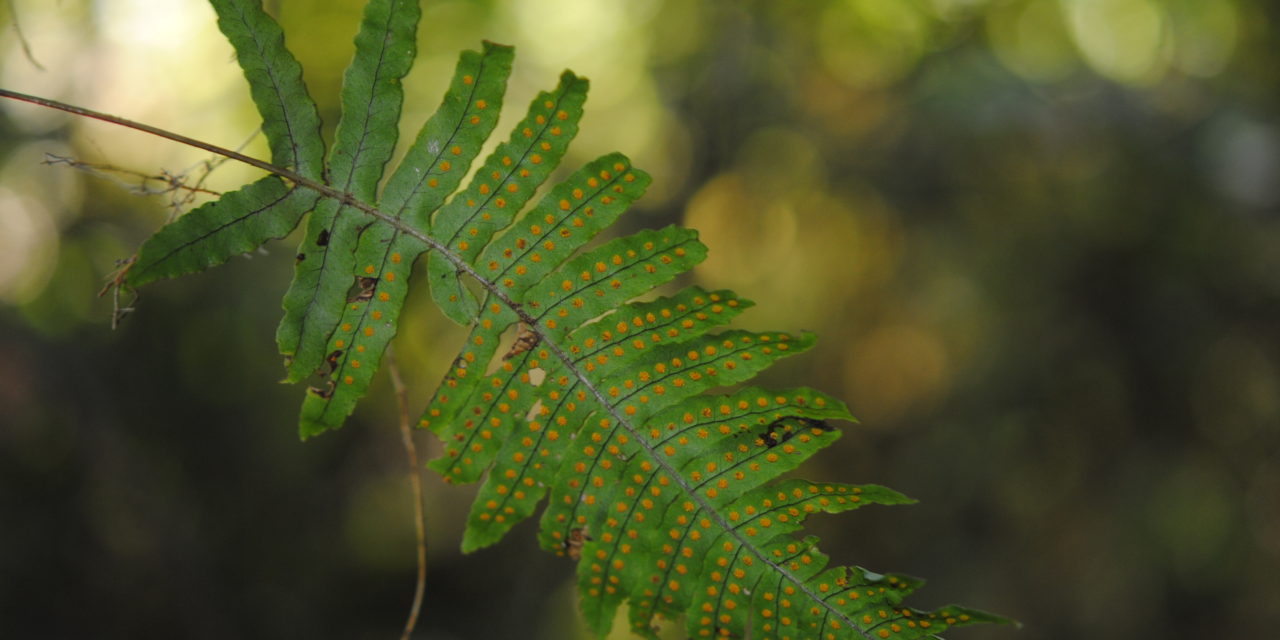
point(577, 538)
point(325, 393)
point(365, 292)
point(332, 361)
point(526, 339)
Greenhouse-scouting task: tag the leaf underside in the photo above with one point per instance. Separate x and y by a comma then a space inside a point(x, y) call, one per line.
point(574, 384)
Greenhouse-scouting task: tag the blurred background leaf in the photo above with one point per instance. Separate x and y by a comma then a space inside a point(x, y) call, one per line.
point(1040, 240)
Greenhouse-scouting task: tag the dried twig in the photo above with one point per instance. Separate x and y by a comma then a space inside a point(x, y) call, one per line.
point(415, 479)
point(115, 282)
point(203, 169)
point(172, 182)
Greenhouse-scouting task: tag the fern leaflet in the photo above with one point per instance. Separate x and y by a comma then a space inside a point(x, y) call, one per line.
point(364, 141)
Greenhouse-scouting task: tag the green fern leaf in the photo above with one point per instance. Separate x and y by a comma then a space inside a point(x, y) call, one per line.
point(365, 138)
point(267, 209)
point(290, 120)
point(565, 219)
point(383, 257)
point(502, 186)
point(667, 494)
point(208, 235)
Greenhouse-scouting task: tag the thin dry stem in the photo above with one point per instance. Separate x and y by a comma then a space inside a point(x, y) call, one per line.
point(170, 181)
point(415, 479)
point(206, 168)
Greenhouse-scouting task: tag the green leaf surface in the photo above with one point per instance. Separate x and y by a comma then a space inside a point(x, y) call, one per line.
point(372, 96)
point(533, 458)
point(237, 223)
point(564, 220)
point(501, 187)
point(575, 293)
point(618, 338)
point(290, 120)
point(447, 143)
point(383, 259)
point(568, 217)
point(365, 139)
point(681, 371)
point(694, 544)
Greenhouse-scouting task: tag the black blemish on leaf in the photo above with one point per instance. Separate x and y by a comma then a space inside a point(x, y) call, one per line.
point(323, 239)
point(783, 429)
point(332, 362)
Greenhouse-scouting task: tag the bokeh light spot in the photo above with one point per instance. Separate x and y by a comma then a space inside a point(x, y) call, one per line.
point(1120, 39)
point(895, 370)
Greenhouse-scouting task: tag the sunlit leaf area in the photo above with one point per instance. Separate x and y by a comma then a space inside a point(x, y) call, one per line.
point(1039, 241)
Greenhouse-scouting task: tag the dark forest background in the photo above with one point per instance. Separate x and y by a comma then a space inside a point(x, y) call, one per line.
point(1040, 240)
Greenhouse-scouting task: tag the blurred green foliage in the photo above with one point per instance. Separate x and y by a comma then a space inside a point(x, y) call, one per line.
point(1039, 238)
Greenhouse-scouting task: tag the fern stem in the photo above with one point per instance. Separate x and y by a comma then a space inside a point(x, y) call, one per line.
point(155, 131)
point(463, 266)
point(415, 480)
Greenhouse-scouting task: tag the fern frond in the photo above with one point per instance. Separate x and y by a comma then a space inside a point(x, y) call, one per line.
point(565, 411)
point(668, 498)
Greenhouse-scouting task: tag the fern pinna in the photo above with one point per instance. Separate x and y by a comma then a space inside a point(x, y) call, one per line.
point(667, 497)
